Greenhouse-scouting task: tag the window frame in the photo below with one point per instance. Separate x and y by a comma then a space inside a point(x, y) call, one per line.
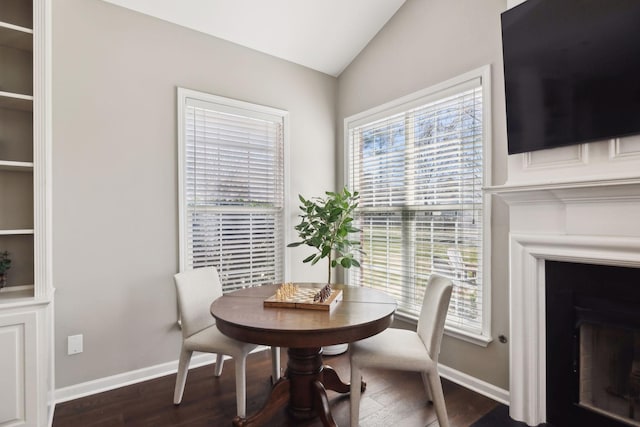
point(416, 99)
point(226, 104)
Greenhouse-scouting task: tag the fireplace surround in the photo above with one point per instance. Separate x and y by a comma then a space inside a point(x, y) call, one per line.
point(592, 344)
point(593, 220)
point(529, 253)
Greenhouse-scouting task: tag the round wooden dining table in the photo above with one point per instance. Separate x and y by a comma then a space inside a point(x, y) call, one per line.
point(361, 313)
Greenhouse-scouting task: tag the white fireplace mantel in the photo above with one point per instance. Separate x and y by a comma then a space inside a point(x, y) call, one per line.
point(594, 222)
point(599, 191)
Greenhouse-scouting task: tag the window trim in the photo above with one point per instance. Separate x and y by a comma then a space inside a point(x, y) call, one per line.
point(226, 104)
point(415, 99)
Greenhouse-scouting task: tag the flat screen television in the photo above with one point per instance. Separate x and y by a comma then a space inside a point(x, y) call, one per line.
point(571, 71)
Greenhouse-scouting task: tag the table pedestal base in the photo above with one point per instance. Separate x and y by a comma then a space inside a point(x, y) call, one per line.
point(304, 388)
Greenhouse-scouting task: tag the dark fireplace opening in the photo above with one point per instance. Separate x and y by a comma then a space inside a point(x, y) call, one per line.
point(593, 345)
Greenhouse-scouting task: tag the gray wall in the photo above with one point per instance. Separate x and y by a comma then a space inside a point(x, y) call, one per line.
point(115, 162)
point(115, 203)
point(427, 42)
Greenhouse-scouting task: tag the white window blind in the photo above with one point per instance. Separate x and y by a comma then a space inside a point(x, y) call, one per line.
point(232, 189)
point(418, 166)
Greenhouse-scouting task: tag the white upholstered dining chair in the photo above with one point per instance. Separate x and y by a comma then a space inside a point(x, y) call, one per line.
point(196, 291)
point(407, 350)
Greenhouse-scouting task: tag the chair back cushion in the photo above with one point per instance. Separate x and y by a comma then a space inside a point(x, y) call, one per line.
point(196, 291)
point(434, 313)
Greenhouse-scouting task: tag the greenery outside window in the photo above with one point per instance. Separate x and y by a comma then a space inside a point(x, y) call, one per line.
point(231, 188)
point(420, 164)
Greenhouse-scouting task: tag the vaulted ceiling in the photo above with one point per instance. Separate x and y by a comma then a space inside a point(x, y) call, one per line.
point(325, 35)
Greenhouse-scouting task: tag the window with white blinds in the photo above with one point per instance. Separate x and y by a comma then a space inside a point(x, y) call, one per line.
point(418, 165)
point(231, 157)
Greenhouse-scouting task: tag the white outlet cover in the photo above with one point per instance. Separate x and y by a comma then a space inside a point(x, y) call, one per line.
point(74, 344)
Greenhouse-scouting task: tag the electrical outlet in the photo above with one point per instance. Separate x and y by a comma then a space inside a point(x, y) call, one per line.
point(74, 344)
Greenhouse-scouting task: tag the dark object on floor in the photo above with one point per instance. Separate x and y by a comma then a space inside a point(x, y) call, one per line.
point(499, 417)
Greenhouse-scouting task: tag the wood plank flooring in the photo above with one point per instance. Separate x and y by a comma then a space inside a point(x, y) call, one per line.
point(392, 398)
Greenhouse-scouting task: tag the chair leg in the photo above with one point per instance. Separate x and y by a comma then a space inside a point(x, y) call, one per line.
point(241, 385)
point(181, 377)
point(275, 364)
point(355, 393)
point(219, 364)
point(427, 388)
point(438, 398)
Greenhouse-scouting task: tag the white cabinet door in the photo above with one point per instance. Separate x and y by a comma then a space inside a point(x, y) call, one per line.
point(18, 369)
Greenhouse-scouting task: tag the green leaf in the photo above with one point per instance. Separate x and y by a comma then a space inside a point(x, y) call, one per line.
point(325, 224)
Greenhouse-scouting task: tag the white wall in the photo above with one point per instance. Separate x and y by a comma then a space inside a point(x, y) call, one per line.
point(115, 205)
point(427, 42)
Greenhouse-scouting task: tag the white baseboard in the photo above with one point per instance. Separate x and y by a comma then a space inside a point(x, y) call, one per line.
point(132, 377)
point(127, 378)
point(52, 409)
point(481, 387)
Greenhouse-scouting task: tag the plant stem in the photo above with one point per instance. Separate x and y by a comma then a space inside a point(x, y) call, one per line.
point(334, 233)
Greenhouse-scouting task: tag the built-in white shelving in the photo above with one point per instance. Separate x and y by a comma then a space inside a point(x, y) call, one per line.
point(17, 143)
point(26, 309)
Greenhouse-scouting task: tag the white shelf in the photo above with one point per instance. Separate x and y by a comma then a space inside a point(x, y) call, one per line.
point(16, 101)
point(15, 292)
point(8, 165)
point(16, 296)
point(16, 37)
point(16, 231)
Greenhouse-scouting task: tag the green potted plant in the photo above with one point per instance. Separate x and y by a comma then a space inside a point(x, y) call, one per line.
point(325, 225)
point(5, 264)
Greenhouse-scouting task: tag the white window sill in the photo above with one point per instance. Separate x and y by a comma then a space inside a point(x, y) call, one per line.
point(477, 339)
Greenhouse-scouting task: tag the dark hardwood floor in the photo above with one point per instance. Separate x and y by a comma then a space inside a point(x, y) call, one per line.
point(392, 398)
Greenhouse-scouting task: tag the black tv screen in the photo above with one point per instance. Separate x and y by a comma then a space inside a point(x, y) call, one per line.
point(571, 71)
